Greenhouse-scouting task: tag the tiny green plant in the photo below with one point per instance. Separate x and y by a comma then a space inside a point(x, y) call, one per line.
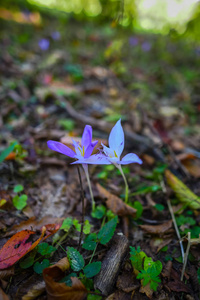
point(77, 262)
point(19, 200)
point(145, 268)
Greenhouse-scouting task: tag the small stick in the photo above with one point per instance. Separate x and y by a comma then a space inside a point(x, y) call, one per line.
point(83, 208)
point(186, 256)
point(176, 229)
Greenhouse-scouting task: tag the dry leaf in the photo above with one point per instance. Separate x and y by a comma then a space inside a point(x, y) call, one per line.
point(35, 291)
point(157, 229)
point(61, 291)
point(17, 246)
point(147, 290)
point(115, 204)
point(183, 193)
point(3, 296)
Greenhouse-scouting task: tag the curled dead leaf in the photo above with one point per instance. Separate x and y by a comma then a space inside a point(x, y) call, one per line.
point(157, 229)
point(56, 290)
point(115, 204)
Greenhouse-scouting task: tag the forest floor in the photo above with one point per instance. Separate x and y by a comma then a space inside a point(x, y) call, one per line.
point(56, 78)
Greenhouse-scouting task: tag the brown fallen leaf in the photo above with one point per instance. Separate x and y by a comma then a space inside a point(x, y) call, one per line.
point(157, 229)
point(7, 273)
point(3, 296)
point(147, 290)
point(61, 291)
point(35, 291)
point(115, 204)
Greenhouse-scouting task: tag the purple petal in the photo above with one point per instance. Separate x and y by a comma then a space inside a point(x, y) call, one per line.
point(61, 148)
point(87, 136)
point(96, 159)
point(129, 159)
point(89, 149)
point(77, 150)
point(116, 138)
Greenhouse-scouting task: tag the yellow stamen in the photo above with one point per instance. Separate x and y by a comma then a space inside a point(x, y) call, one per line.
point(115, 154)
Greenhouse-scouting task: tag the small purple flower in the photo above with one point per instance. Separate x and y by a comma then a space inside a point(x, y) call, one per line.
point(81, 152)
point(55, 35)
point(116, 146)
point(133, 41)
point(146, 46)
point(44, 44)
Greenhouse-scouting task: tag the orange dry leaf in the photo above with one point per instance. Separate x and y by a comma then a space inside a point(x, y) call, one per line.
point(61, 291)
point(51, 229)
point(17, 246)
point(115, 204)
point(3, 296)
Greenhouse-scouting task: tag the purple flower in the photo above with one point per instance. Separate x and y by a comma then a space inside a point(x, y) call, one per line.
point(133, 41)
point(44, 44)
point(146, 46)
point(55, 35)
point(81, 152)
point(116, 146)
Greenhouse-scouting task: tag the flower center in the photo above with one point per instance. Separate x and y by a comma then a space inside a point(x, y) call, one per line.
point(82, 151)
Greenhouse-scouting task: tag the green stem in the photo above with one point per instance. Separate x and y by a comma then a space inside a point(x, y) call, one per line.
point(93, 253)
point(126, 183)
point(85, 168)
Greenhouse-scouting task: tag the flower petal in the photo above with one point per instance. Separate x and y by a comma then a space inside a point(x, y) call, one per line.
point(96, 159)
point(89, 149)
point(61, 148)
point(129, 159)
point(116, 138)
point(87, 136)
point(108, 152)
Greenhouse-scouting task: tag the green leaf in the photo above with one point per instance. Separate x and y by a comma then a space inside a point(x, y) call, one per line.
point(137, 258)
point(137, 205)
point(198, 275)
point(27, 262)
point(92, 269)
point(107, 231)
point(181, 220)
point(90, 242)
point(20, 202)
point(77, 225)
point(67, 279)
point(99, 212)
point(45, 249)
point(7, 151)
point(154, 267)
point(87, 282)
point(94, 297)
point(67, 124)
point(18, 188)
point(159, 207)
point(75, 258)
point(67, 223)
point(86, 227)
point(39, 267)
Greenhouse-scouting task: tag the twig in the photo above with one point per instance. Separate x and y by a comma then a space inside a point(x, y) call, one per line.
point(83, 208)
point(176, 228)
point(186, 256)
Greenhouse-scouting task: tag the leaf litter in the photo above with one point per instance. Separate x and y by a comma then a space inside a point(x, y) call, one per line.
point(53, 94)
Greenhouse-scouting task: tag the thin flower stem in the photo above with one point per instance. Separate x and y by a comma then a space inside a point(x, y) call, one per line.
point(126, 183)
point(85, 167)
point(93, 253)
point(83, 209)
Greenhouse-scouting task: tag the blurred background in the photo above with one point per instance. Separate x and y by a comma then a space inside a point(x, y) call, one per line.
point(135, 60)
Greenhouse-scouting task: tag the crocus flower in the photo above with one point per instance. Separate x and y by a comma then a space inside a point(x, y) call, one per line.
point(82, 153)
point(115, 149)
point(55, 35)
point(44, 44)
